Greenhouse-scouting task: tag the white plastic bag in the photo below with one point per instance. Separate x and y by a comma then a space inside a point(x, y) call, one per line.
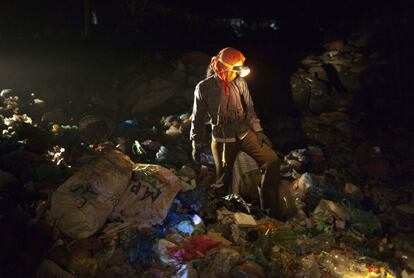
point(246, 176)
point(82, 204)
point(148, 198)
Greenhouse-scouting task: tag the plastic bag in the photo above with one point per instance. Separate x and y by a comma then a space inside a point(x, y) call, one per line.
point(170, 221)
point(246, 177)
point(328, 212)
point(193, 199)
point(197, 244)
point(164, 256)
point(148, 198)
point(82, 204)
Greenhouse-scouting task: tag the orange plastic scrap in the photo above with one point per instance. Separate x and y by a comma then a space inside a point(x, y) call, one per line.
point(379, 270)
point(266, 228)
point(373, 268)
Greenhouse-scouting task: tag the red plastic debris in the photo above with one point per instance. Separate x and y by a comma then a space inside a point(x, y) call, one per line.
point(198, 245)
point(373, 268)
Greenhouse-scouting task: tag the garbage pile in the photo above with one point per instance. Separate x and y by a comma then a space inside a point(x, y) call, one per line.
point(158, 82)
point(88, 197)
point(345, 77)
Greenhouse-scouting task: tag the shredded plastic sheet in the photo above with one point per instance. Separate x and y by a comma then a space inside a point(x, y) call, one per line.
point(198, 244)
point(193, 199)
point(171, 221)
point(239, 200)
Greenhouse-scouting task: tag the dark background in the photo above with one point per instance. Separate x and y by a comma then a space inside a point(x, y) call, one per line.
point(41, 42)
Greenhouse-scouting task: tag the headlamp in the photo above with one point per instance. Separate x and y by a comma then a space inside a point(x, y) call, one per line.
point(241, 70)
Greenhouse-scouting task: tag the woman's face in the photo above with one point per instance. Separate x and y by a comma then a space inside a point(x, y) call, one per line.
point(231, 75)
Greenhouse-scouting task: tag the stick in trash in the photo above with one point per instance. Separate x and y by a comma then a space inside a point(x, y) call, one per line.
point(259, 190)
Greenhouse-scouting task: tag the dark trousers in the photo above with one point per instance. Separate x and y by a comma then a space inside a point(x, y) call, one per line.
point(264, 155)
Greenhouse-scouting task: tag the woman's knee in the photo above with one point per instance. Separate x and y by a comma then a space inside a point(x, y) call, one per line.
point(272, 159)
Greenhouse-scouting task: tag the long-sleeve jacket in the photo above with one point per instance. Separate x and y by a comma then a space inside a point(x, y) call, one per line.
point(231, 115)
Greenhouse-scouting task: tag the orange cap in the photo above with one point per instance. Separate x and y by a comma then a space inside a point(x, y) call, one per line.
point(228, 55)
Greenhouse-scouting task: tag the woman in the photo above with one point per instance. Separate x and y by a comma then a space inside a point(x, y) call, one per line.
point(224, 99)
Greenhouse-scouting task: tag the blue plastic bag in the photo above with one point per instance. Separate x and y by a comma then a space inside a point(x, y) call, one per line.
point(172, 220)
point(193, 199)
point(139, 248)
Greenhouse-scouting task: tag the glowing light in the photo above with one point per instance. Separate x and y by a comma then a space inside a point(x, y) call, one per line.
point(242, 70)
point(245, 72)
point(196, 219)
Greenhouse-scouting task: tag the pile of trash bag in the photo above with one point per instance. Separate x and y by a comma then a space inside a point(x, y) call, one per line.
point(342, 78)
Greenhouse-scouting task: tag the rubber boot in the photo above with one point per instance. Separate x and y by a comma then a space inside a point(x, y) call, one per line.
point(270, 199)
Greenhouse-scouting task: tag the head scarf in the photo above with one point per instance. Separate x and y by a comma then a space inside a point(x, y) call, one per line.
point(230, 56)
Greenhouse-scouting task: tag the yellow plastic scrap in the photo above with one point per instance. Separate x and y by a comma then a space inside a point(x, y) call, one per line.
point(55, 128)
point(340, 265)
point(374, 272)
point(389, 275)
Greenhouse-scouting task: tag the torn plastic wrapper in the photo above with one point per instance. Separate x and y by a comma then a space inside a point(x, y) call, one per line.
point(239, 200)
point(172, 220)
point(193, 199)
point(185, 227)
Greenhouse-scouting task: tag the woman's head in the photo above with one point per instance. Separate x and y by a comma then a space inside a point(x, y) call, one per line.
point(224, 61)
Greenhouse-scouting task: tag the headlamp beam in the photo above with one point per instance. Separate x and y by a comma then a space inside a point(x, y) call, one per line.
point(242, 70)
